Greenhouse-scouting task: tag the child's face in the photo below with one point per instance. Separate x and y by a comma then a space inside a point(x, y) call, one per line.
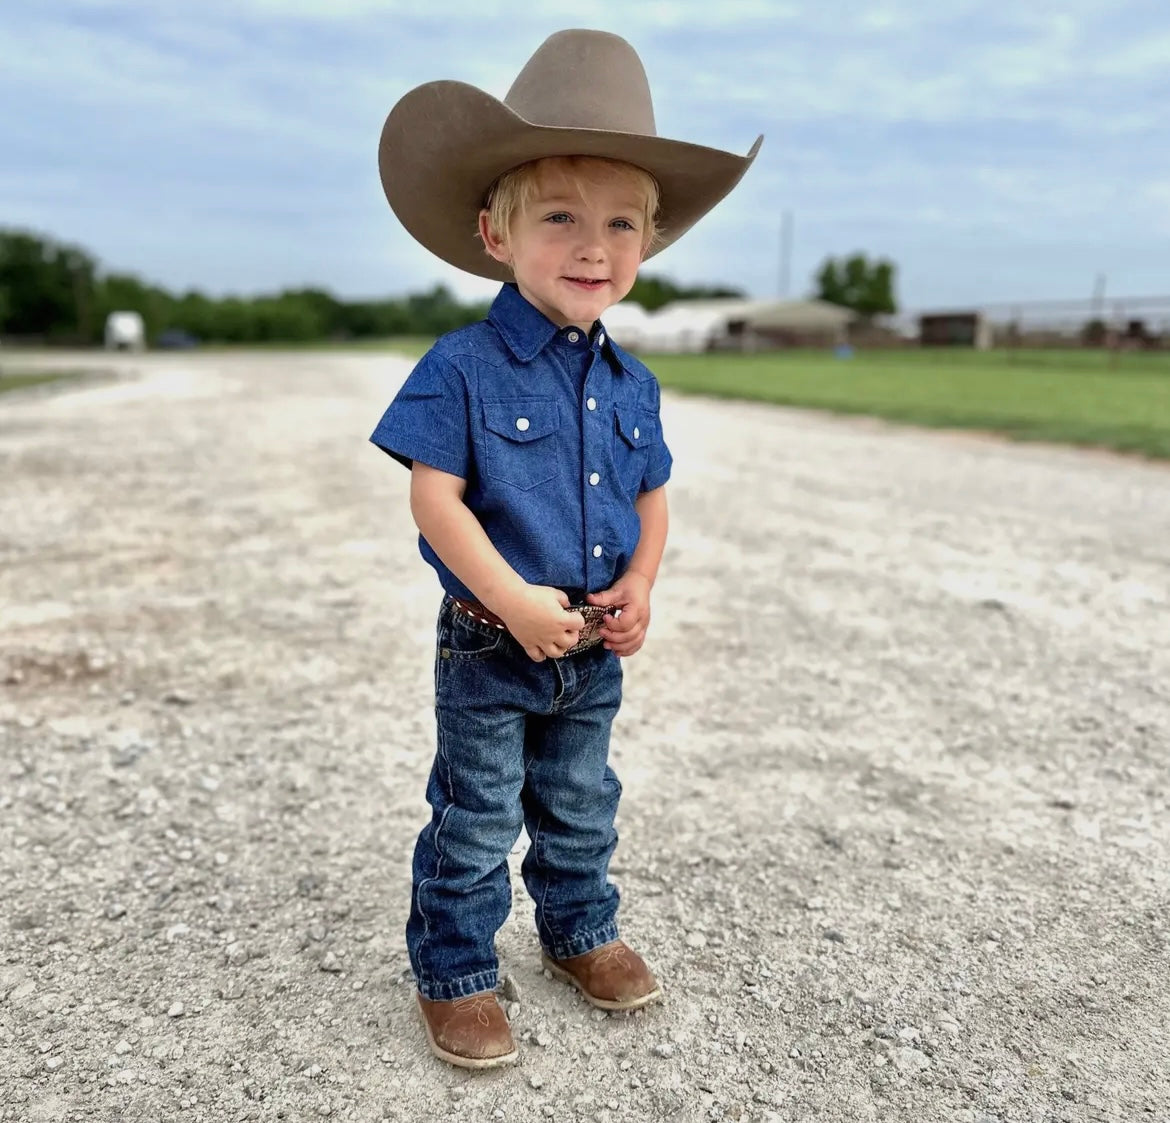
point(574, 255)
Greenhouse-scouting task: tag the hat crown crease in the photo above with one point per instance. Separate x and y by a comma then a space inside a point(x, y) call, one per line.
point(580, 81)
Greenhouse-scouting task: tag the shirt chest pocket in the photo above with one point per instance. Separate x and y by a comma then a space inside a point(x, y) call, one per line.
point(522, 445)
point(635, 431)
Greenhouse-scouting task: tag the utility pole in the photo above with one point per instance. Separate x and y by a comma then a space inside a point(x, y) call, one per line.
point(1098, 309)
point(785, 252)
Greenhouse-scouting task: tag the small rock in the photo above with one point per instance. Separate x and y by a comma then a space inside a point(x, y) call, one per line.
point(54, 1063)
point(696, 940)
point(178, 698)
point(177, 1010)
point(126, 755)
point(122, 1048)
point(910, 1062)
point(536, 1081)
point(833, 936)
point(317, 932)
point(330, 962)
point(663, 1049)
point(115, 911)
point(510, 989)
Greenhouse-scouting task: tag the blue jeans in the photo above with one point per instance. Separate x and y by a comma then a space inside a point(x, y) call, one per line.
point(519, 744)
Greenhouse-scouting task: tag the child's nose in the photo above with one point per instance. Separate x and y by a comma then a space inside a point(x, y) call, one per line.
point(591, 246)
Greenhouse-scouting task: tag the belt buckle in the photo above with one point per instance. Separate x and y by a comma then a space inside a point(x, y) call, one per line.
point(590, 634)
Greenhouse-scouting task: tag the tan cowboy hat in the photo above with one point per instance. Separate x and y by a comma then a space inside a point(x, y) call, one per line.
point(583, 93)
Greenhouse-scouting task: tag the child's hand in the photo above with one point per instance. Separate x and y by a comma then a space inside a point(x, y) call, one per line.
point(625, 634)
point(539, 623)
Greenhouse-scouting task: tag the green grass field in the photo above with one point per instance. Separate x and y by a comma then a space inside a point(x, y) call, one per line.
point(18, 380)
point(1075, 397)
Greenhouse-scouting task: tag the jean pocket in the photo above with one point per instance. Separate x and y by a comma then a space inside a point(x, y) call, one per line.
point(463, 640)
point(634, 433)
point(521, 441)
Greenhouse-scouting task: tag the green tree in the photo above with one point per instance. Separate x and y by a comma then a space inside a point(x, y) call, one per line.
point(49, 287)
point(655, 292)
point(858, 283)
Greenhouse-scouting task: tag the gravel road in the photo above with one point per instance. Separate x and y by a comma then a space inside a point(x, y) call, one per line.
point(895, 756)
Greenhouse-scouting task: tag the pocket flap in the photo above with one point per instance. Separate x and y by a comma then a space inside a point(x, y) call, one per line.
point(522, 419)
point(636, 426)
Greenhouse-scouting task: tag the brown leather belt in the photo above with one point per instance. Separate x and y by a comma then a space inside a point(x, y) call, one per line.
point(588, 637)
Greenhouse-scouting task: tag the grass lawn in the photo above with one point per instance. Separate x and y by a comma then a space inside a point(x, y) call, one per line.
point(18, 380)
point(1074, 397)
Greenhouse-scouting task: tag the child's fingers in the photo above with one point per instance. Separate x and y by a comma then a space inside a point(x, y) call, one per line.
point(619, 625)
point(620, 641)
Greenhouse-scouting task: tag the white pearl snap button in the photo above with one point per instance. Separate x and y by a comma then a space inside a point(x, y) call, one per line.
point(591, 403)
point(595, 478)
point(522, 424)
point(597, 551)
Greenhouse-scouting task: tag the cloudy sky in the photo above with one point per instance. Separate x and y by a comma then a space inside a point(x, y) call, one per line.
point(993, 152)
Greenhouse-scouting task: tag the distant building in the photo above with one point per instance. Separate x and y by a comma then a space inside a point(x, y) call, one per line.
point(626, 323)
point(955, 329)
point(731, 324)
point(125, 331)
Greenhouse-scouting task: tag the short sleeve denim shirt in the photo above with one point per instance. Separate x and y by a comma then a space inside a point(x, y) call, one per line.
point(555, 431)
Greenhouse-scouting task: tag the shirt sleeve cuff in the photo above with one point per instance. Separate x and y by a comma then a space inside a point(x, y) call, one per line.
point(407, 451)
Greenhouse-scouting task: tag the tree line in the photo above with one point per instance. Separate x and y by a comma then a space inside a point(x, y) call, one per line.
point(57, 293)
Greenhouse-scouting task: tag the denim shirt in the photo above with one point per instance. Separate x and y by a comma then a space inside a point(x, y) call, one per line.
point(554, 432)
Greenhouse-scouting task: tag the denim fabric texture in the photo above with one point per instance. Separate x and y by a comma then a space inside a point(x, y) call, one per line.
point(555, 430)
point(519, 744)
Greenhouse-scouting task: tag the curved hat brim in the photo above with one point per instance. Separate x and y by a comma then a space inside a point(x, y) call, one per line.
point(446, 142)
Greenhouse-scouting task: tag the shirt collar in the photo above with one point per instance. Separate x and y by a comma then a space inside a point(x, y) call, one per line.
point(527, 331)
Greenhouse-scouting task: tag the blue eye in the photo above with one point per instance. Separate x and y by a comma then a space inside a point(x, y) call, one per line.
point(624, 223)
point(560, 218)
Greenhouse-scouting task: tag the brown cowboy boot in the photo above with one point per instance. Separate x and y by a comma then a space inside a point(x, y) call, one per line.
point(612, 976)
point(469, 1032)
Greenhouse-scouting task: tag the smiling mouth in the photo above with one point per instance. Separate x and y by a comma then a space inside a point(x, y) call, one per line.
point(590, 282)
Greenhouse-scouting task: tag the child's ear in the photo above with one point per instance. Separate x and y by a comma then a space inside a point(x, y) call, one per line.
point(494, 246)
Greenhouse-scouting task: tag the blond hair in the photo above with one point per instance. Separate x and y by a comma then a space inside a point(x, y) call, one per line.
point(509, 195)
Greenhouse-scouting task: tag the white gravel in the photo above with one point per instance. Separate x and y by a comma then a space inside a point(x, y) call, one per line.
point(895, 756)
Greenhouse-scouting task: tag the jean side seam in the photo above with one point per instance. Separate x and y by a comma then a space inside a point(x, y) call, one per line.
point(440, 756)
point(542, 923)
